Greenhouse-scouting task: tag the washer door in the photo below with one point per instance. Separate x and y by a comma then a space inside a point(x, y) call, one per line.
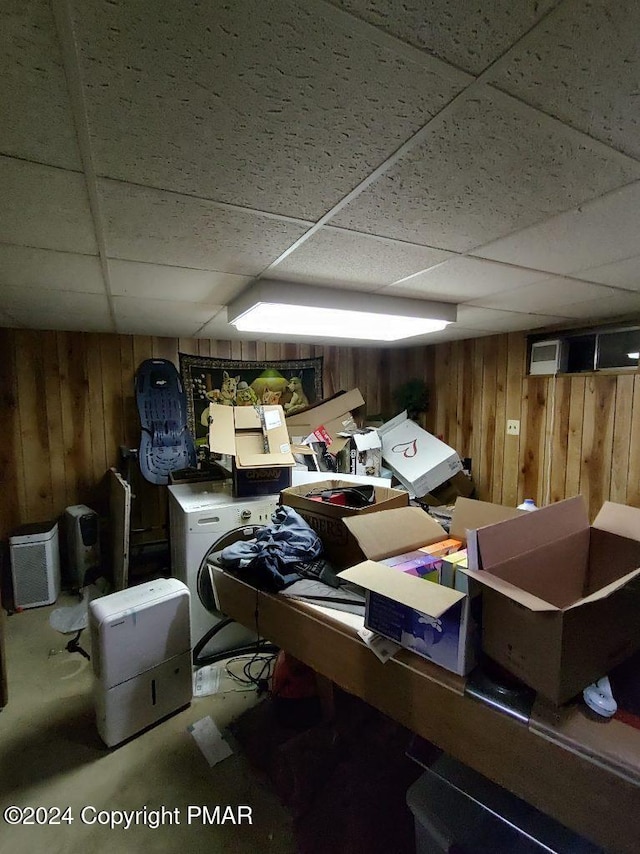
point(203, 582)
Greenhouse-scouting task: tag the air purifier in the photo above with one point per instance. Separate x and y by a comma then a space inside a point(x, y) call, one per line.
point(83, 542)
point(35, 564)
point(141, 657)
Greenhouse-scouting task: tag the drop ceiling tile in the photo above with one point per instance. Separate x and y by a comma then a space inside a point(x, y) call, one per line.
point(37, 123)
point(467, 35)
point(463, 279)
point(622, 274)
point(142, 224)
point(160, 317)
point(247, 102)
point(582, 65)
point(546, 296)
point(41, 308)
point(490, 166)
point(597, 233)
point(617, 304)
point(45, 207)
point(23, 266)
point(219, 328)
point(494, 320)
point(154, 281)
point(336, 257)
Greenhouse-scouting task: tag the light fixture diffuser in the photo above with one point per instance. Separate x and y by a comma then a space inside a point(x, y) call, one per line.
point(291, 310)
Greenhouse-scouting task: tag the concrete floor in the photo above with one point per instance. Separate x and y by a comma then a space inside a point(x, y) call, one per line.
point(51, 756)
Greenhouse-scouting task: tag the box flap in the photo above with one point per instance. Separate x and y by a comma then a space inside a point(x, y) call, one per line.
point(606, 591)
point(554, 572)
point(250, 453)
point(222, 438)
point(469, 514)
point(326, 410)
point(409, 590)
point(533, 603)
point(391, 532)
point(367, 441)
point(505, 540)
point(619, 519)
point(246, 417)
point(393, 423)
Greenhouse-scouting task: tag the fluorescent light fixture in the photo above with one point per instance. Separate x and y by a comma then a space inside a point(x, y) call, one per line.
point(635, 356)
point(287, 309)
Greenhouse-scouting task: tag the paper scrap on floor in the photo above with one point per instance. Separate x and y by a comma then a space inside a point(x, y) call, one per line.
point(206, 680)
point(208, 738)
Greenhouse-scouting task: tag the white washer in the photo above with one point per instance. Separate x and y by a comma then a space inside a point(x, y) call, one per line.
point(200, 516)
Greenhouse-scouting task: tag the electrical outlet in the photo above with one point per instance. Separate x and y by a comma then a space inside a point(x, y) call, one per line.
point(513, 428)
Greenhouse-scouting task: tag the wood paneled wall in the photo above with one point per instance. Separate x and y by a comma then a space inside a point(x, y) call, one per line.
point(67, 406)
point(578, 433)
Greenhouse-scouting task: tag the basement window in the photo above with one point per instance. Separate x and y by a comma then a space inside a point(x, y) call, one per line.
point(601, 349)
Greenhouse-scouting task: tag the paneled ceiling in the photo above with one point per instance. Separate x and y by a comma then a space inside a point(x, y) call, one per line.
point(158, 157)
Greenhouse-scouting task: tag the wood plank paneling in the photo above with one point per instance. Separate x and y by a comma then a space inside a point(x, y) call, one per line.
point(68, 405)
point(11, 450)
point(559, 439)
point(32, 406)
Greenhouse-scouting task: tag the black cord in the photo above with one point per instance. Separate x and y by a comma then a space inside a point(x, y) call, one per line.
point(74, 646)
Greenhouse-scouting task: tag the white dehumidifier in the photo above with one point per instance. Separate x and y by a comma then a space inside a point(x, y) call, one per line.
point(141, 657)
point(35, 564)
point(83, 542)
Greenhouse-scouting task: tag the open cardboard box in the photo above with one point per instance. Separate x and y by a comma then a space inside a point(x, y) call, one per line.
point(420, 461)
point(326, 419)
point(432, 620)
point(327, 520)
point(561, 599)
point(258, 441)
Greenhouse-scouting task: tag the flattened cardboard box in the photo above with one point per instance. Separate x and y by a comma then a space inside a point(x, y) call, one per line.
point(328, 417)
point(258, 441)
point(434, 621)
point(327, 520)
point(420, 461)
point(561, 598)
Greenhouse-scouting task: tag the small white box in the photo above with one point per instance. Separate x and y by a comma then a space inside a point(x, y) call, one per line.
point(419, 460)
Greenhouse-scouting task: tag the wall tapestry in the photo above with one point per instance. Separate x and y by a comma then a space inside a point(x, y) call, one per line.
point(294, 384)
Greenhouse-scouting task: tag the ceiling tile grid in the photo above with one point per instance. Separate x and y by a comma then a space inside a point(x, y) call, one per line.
point(582, 65)
point(161, 317)
point(273, 106)
point(600, 232)
point(555, 294)
point(339, 143)
point(491, 167)
point(156, 281)
point(45, 207)
point(469, 36)
point(41, 308)
point(26, 267)
point(144, 224)
point(37, 122)
point(336, 257)
point(462, 279)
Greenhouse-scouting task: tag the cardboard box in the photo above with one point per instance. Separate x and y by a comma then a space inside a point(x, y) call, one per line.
point(419, 460)
point(257, 440)
point(460, 485)
point(561, 599)
point(326, 419)
point(432, 620)
point(359, 453)
point(327, 520)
